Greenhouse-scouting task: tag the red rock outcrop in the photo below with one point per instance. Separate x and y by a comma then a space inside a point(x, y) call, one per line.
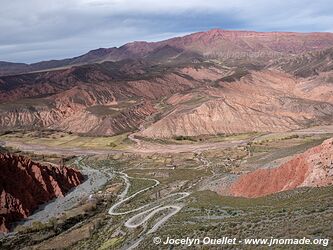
point(313, 168)
point(24, 185)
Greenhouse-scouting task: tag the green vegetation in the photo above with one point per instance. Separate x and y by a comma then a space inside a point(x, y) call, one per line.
point(111, 244)
point(305, 212)
point(184, 139)
point(273, 148)
point(139, 184)
point(168, 176)
point(67, 140)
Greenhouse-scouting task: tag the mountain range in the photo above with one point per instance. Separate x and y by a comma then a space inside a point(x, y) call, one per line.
point(210, 82)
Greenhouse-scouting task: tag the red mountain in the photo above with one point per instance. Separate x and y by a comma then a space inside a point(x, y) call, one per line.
point(233, 82)
point(214, 43)
point(24, 185)
point(313, 168)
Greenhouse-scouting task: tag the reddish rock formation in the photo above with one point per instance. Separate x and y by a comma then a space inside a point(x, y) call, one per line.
point(129, 84)
point(312, 168)
point(214, 43)
point(264, 101)
point(24, 185)
point(74, 96)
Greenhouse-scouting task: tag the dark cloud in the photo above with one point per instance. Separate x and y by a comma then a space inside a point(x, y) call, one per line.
point(39, 30)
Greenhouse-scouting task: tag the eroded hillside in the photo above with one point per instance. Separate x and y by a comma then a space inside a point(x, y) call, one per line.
point(24, 185)
point(215, 82)
point(313, 168)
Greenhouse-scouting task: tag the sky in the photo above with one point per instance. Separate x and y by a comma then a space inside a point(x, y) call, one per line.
point(36, 30)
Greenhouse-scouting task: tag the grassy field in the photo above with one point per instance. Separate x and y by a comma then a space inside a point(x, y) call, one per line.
point(139, 184)
point(62, 139)
point(294, 214)
point(225, 137)
point(269, 150)
point(201, 138)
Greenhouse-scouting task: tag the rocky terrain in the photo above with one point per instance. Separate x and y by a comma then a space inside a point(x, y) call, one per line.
point(111, 107)
point(210, 82)
point(265, 101)
point(308, 64)
point(214, 43)
point(24, 185)
point(313, 168)
point(186, 129)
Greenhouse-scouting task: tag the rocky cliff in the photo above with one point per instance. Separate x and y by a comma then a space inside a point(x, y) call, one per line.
point(312, 168)
point(24, 185)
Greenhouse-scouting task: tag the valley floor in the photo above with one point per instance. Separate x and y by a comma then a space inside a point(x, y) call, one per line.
point(141, 189)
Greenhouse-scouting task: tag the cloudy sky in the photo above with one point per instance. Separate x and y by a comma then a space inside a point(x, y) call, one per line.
point(36, 30)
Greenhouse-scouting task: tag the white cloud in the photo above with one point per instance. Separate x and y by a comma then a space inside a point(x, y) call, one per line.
point(37, 29)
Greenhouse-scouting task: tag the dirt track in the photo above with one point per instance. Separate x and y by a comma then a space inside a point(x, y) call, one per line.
point(143, 216)
point(149, 147)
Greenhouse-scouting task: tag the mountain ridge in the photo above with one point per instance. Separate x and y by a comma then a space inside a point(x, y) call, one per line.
point(231, 81)
point(194, 42)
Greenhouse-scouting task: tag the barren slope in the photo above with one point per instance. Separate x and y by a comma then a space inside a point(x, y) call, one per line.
point(263, 101)
point(204, 83)
point(313, 168)
point(93, 99)
point(216, 43)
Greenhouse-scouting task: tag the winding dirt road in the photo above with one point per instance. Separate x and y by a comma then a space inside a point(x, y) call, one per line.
point(122, 196)
point(142, 217)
